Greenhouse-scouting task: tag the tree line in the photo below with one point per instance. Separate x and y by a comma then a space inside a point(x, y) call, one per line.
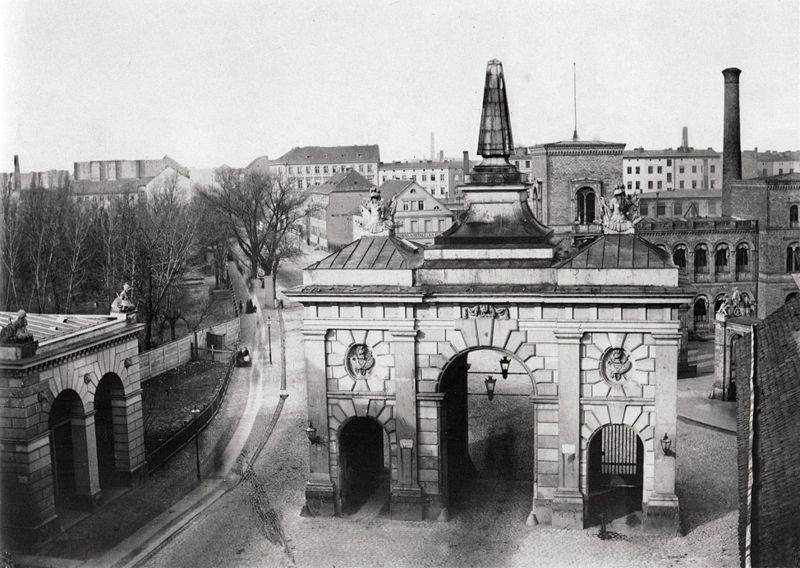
point(62, 255)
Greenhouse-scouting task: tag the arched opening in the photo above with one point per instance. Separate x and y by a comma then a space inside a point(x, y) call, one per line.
point(732, 370)
point(718, 301)
point(742, 258)
point(585, 202)
point(679, 257)
point(111, 429)
point(67, 452)
point(488, 443)
point(721, 259)
point(793, 257)
point(793, 217)
point(363, 465)
point(701, 259)
point(700, 310)
point(615, 474)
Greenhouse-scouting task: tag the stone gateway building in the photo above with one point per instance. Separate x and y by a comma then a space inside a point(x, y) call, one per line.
point(394, 335)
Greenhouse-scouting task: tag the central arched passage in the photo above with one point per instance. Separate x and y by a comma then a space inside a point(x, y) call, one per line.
point(110, 428)
point(363, 464)
point(66, 455)
point(487, 443)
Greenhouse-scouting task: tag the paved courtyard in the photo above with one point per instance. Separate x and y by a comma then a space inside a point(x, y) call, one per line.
point(259, 523)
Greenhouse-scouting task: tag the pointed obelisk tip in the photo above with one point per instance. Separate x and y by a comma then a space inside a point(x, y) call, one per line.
point(495, 140)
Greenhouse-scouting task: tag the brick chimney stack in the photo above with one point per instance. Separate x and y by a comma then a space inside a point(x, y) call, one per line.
point(731, 144)
point(685, 138)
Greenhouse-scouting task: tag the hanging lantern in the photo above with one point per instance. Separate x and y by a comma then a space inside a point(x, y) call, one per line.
point(490, 383)
point(504, 363)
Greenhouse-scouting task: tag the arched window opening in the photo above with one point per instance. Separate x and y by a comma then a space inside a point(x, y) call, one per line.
point(721, 258)
point(700, 310)
point(793, 217)
point(793, 257)
point(679, 257)
point(585, 206)
point(743, 258)
point(718, 302)
point(701, 259)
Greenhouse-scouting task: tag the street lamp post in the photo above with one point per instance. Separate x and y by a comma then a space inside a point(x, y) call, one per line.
point(195, 414)
point(269, 337)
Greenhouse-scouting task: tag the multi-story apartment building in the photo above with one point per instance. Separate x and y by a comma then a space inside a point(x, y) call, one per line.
point(418, 216)
point(680, 204)
point(667, 170)
point(308, 166)
point(770, 163)
point(330, 224)
point(440, 179)
point(110, 170)
point(522, 159)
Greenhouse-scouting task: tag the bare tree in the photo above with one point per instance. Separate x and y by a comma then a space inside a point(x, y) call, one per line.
point(12, 246)
point(241, 197)
point(41, 220)
point(213, 236)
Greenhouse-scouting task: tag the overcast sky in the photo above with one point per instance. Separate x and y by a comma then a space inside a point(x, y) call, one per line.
point(224, 82)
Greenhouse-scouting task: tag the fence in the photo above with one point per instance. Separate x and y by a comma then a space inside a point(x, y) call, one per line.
point(173, 445)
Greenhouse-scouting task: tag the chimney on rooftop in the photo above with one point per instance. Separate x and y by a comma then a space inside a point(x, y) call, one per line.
point(685, 138)
point(731, 144)
point(441, 155)
point(17, 175)
point(433, 147)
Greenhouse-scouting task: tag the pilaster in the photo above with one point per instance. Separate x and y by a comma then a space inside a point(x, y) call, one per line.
point(567, 504)
point(320, 491)
point(406, 501)
point(87, 478)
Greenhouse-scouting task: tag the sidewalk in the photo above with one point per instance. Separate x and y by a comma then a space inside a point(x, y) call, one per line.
point(694, 405)
point(172, 497)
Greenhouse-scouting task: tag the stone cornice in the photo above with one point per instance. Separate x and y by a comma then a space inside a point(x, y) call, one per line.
point(45, 361)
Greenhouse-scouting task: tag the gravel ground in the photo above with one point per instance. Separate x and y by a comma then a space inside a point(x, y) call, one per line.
point(258, 523)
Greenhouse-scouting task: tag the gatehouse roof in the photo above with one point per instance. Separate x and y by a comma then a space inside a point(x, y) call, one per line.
point(618, 251)
point(373, 253)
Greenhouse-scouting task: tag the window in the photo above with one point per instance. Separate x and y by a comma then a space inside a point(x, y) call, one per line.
point(694, 169)
point(713, 168)
point(630, 185)
point(793, 257)
point(441, 177)
point(700, 310)
point(676, 208)
point(780, 171)
point(420, 205)
point(669, 162)
point(679, 257)
point(649, 169)
point(324, 169)
point(661, 209)
point(694, 184)
point(742, 258)
point(669, 177)
point(441, 225)
point(428, 227)
point(680, 169)
point(643, 209)
point(527, 163)
point(637, 169)
point(764, 172)
point(701, 259)
point(712, 183)
point(721, 258)
point(638, 185)
point(413, 177)
point(413, 226)
point(406, 206)
point(659, 169)
point(630, 170)
point(316, 169)
point(424, 177)
point(291, 169)
point(361, 167)
point(793, 218)
point(650, 184)
point(369, 167)
point(308, 169)
point(585, 201)
point(658, 184)
point(681, 184)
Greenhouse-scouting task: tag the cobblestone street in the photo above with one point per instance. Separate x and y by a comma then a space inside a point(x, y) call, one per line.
point(259, 522)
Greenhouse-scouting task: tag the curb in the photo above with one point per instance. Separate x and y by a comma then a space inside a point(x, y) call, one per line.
point(694, 422)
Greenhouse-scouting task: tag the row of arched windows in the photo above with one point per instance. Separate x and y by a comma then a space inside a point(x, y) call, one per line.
point(721, 257)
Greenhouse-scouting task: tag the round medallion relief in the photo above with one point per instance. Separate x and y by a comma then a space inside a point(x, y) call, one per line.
point(359, 361)
point(614, 365)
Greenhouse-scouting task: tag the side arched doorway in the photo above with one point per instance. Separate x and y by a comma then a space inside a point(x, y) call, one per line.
point(111, 429)
point(615, 474)
point(363, 464)
point(487, 441)
point(67, 448)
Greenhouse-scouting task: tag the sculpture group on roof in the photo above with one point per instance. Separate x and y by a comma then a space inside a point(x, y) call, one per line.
point(377, 216)
point(122, 303)
point(620, 213)
point(16, 330)
point(737, 305)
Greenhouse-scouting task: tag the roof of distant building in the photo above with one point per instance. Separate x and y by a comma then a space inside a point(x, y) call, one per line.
point(373, 253)
point(618, 251)
point(422, 165)
point(790, 178)
point(672, 153)
point(108, 186)
point(343, 181)
point(773, 156)
point(681, 194)
point(392, 187)
point(331, 155)
point(261, 163)
point(576, 143)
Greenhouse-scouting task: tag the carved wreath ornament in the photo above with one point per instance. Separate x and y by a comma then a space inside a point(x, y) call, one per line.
point(485, 311)
point(615, 365)
point(359, 361)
